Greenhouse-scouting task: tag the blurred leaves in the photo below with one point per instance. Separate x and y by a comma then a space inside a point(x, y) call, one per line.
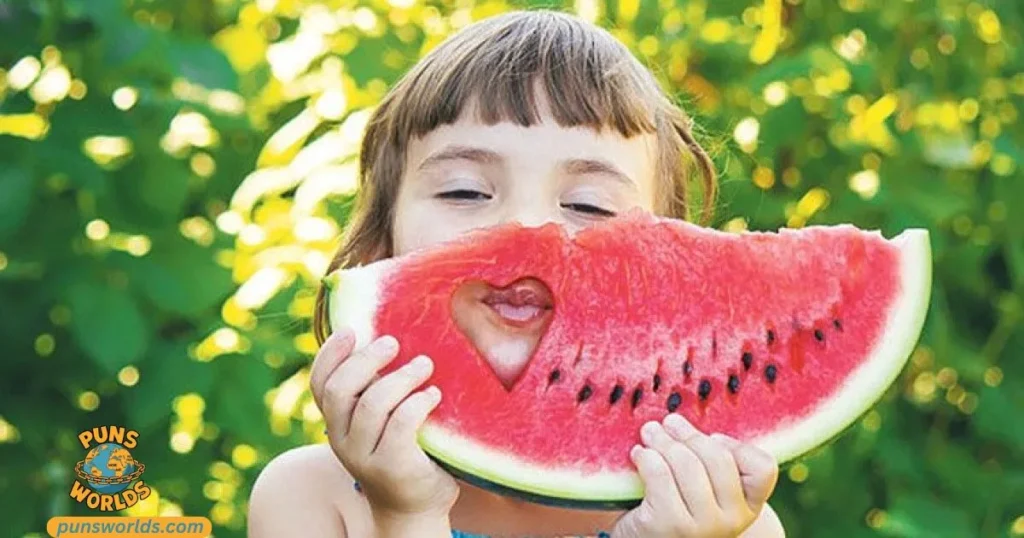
point(181, 278)
point(176, 174)
point(108, 325)
point(912, 516)
point(17, 190)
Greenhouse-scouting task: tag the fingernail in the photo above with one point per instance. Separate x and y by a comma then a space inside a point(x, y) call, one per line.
point(385, 344)
point(675, 421)
point(648, 431)
point(341, 335)
point(420, 364)
point(635, 452)
point(680, 426)
point(434, 392)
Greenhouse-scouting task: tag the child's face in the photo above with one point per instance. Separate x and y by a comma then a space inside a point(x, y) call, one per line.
point(468, 175)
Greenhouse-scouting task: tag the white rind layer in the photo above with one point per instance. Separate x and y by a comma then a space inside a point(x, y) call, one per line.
point(357, 291)
point(865, 385)
point(354, 298)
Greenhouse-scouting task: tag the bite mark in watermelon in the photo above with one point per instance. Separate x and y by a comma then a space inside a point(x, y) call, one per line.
point(778, 339)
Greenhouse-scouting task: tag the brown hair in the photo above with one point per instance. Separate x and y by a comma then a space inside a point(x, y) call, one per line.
point(589, 77)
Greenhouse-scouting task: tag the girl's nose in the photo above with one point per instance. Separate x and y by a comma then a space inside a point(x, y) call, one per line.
point(532, 215)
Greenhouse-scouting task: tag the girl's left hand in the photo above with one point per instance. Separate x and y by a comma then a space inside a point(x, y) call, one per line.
point(697, 486)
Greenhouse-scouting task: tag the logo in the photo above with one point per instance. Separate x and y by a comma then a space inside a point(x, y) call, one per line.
point(108, 476)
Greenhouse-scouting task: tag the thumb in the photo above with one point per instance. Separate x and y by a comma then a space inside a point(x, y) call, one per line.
point(759, 471)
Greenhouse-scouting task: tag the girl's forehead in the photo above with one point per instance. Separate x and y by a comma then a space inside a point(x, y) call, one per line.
point(546, 143)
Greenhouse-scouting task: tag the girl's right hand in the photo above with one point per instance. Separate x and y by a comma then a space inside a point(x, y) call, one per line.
point(372, 423)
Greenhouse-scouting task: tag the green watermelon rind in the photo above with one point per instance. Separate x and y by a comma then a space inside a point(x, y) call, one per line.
point(504, 473)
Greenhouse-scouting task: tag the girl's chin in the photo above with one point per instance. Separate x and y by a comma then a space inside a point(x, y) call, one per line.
point(506, 345)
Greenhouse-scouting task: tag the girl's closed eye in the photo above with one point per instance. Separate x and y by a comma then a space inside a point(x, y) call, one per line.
point(464, 195)
point(589, 209)
point(590, 202)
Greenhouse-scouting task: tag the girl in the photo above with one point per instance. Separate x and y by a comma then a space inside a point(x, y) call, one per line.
point(534, 117)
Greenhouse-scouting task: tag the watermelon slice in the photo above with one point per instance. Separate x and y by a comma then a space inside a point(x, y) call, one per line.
point(779, 339)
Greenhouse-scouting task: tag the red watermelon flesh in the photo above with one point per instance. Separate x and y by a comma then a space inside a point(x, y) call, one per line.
point(779, 339)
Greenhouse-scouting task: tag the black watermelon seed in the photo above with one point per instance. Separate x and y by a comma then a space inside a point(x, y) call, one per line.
point(734, 384)
point(704, 390)
point(616, 394)
point(556, 374)
point(584, 394)
point(770, 372)
point(637, 394)
point(748, 360)
point(818, 335)
point(687, 368)
point(657, 383)
point(771, 337)
point(837, 324)
point(674, 400)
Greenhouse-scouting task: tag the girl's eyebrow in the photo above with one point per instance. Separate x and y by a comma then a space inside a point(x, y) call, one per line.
point(576, 166)
point(597, 166)
point(454, 152)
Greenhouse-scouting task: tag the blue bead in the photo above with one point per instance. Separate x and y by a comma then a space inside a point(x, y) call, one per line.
point(603, 535)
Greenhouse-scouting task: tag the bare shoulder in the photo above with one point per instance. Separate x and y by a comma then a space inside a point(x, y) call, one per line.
point(306, 492)
point(767, 525)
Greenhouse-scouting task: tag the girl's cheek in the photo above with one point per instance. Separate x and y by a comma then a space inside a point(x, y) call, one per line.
point(429, 224)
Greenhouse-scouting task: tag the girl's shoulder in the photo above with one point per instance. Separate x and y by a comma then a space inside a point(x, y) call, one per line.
point(306, 491)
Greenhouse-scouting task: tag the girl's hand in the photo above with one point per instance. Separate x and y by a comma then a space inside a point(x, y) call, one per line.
point(697, 486)
point(372, 423)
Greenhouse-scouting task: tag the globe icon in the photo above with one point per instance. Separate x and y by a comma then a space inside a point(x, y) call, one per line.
point(109, 468)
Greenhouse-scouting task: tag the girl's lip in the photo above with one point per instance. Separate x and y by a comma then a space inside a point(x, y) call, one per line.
point(527, 292)
point(525, 304)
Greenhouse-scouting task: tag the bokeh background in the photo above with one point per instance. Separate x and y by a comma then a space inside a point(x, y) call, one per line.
point(174, 175)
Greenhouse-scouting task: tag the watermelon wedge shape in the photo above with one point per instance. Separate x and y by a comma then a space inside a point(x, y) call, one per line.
point(778, 339)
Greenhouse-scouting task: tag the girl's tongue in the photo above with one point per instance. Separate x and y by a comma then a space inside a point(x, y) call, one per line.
point(517, 313)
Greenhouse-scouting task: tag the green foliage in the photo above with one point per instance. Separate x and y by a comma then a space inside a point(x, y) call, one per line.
point(175, 174)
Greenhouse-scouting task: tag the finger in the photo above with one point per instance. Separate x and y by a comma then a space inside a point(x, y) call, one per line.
point(660, 491)
point(717, 461)
point(350, 379)
point(334, 351)
point(680, 428)
point(381, 398)
point(724, 474)
point(759, 472)
point(688, 473)
point(399, 438)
